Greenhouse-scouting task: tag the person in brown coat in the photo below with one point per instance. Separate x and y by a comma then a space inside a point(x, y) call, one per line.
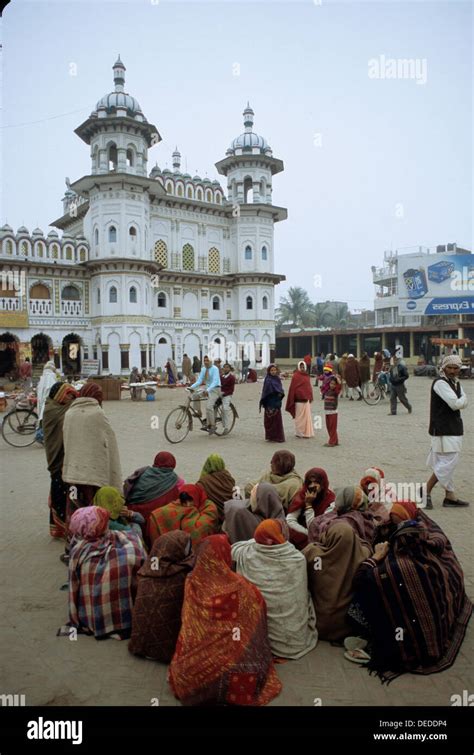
point(156, 618)
point(352, 377)
point(364, 371)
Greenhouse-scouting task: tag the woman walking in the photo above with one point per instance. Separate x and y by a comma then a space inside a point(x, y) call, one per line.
point(298, 402)
point(271, 398)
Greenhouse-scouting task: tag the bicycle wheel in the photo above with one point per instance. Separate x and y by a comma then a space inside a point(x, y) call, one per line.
point(19, 428)
point(177, 424)
point(373, 394)
point(220, 419)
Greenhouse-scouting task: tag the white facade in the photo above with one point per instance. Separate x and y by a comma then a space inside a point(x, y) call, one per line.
point(150, 266)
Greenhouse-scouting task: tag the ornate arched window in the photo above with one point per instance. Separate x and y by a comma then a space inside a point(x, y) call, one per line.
point(248, 252)
point(265, 302)
point(214, 260)
point(162, 299)
point(161, 252)
point(216, 303)
point(9, 248)
point(70, 293)
point(96, 236)
point(112, 234)
point(130, 158)
point(132, 232)
point(208, 195)
point(249, 302)
point(199, 195)
point(132, 295)
point(54, 251)
point(189, 192)
point(188, 257)
point(113, 295)
point(264, 253)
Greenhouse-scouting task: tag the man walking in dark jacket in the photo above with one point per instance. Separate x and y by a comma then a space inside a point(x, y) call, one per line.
point(398, 374)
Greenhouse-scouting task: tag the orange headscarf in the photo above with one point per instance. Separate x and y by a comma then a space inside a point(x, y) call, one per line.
point(404, 510)
point(270, 532)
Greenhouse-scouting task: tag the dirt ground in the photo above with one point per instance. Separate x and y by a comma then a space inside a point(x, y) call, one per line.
point(51, 670)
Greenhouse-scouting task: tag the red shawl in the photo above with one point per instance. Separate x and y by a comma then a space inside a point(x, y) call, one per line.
point(300, 390)
point(222, 655)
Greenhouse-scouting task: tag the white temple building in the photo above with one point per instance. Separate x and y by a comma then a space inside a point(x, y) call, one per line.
point(151, 263)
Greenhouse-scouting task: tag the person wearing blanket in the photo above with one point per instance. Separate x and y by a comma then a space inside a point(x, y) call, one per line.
point(274, 565)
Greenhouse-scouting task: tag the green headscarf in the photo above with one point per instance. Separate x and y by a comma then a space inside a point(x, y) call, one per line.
point(351, 498)
point(109, 498)
point(213, 463)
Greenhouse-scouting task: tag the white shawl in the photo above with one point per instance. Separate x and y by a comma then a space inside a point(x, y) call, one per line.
point(280, 573)
point(91, 455)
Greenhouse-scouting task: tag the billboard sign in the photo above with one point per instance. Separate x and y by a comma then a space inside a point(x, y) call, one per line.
point(436, 284)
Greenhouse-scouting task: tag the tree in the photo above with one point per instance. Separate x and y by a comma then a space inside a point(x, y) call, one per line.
point(296, 308)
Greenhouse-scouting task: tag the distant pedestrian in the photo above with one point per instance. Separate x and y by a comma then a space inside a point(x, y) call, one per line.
point(398, 375)
point(26, 372)
point(331, 391)
point(272, 396)
point(187, 369)
point(298, 402)
point(351, 376)
point(364, 371)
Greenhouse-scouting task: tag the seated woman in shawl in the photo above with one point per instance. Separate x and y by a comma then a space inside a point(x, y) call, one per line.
point(311, 500)
point(121, 519)
point(332, 564)
point(373, 485)
point(410, 602)
point(148, 488)
point(351, 505)
point(252, 376)
point(279, 571)
point(91, 456)
point(103, 570)
point(191, 513)
point(282, 476)
point(222, 656)
point(271, 398)
point(55, 408)
point(241, 518)
point(217, 482)
point(298, 402)
point(156, 616)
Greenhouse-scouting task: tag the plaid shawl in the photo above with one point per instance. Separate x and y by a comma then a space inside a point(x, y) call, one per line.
point(419, 588)
point(222, 655)
point(102, 582)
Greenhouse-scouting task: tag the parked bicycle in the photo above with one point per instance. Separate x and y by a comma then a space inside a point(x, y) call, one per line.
point(179, 421)
point(376, 391)
point(20, 422)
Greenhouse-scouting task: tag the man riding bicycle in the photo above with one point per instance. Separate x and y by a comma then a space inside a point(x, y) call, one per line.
point(210, 378)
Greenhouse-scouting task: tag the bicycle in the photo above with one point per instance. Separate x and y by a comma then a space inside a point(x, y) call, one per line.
point(179, 421)
point(20, 423)
point(376, 391)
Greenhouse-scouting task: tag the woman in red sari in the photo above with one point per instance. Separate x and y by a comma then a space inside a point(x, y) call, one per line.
point(298, 402)
point(222, 655)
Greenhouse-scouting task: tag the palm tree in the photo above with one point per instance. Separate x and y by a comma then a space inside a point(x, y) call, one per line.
point(321, 314)
point(340, 316)
point(296, 308)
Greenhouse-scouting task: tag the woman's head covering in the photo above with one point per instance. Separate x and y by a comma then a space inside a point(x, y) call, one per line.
point(92, 390)
point(271, 532)
point(283, 462)
point(372, 475)
point(213, 463)
point(318, 474)
point(270, 367)
point(49, 366)
point(109, 499)
point(89, 522)
point(350, 498)
point(302, 362)
point(213, 552)
point(63, 393)
point(197, 493)
point(164, 459)
point(170, 553)
point(403, 511)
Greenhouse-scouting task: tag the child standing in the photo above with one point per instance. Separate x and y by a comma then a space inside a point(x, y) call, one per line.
point(331, 390)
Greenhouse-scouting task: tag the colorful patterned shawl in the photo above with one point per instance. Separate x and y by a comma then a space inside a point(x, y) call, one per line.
point(199, 518)
point(222, 654)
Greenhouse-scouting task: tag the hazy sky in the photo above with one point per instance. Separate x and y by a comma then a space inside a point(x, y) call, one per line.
point(370, 163)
